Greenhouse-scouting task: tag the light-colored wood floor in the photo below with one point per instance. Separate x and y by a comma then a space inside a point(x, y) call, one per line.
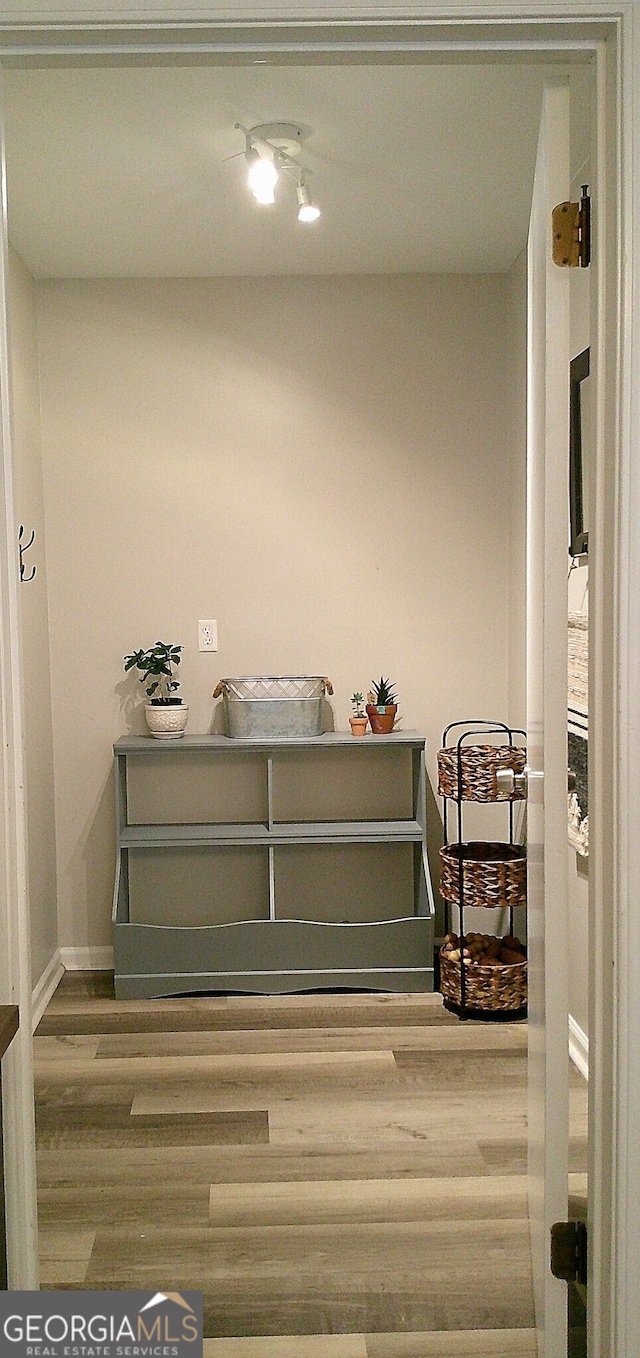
point(343, 1176)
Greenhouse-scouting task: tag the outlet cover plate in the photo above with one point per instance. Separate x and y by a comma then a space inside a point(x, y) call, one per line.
point(207, 634)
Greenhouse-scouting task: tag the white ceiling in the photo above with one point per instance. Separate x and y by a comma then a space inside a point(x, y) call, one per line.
point(124, 172)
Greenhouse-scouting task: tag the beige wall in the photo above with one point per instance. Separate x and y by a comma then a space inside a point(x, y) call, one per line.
point(322, 464)
point(33, 619)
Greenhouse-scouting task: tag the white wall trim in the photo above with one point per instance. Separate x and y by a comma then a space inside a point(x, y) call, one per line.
point(578, 1047)
point(66, 959)
point(15, 951)
point(87, 959)
point(620, 893)
point(45, 988)
point(544, 23)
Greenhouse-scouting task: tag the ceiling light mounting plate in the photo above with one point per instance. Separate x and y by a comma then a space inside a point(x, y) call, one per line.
point(285, 137)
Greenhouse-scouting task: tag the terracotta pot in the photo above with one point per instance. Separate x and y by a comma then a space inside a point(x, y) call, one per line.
point(166, 721)
point(358, 725)
point(381, 719)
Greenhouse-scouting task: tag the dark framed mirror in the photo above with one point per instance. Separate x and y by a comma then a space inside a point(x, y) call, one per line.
point(579, 443)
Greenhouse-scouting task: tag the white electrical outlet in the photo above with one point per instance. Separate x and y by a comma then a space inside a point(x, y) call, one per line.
point(207, 634)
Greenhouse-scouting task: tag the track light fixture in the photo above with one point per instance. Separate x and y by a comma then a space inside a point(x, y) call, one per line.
point(307, 211)
point(270, 149)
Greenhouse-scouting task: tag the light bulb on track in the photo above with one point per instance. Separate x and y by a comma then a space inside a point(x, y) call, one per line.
point(262, 177)
point(307, 211)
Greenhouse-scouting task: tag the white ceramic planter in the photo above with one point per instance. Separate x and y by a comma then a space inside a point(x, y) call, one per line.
point(167, 723)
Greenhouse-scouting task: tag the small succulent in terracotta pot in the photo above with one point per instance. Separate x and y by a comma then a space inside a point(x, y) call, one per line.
point(382, 706)
point(358, 722)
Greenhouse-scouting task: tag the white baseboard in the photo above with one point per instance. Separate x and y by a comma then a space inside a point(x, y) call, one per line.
point(66, 959)
point(87, 959)
point(45, 988)
point(579, 1047)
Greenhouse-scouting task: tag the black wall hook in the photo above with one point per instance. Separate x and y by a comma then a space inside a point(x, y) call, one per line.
point(24, 547)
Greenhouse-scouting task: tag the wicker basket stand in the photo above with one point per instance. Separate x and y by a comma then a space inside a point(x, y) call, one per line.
point(481, 975)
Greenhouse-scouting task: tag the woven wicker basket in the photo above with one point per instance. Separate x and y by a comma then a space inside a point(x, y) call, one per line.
point(492, 874)
point(480, 764)
point(496, 987)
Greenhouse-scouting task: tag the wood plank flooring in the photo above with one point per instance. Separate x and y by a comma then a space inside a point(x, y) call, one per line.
point(342, 1175)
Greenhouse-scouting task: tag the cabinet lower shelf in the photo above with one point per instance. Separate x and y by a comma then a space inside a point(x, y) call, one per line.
point(273, 957)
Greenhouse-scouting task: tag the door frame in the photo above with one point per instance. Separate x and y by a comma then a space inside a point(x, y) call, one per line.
point(548, 358)
point(440, 32)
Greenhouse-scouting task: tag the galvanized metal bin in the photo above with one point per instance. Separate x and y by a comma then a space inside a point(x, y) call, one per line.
point(261, 708)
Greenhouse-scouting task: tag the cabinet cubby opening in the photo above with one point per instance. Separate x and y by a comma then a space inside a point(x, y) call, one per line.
point(197, 885)
point(193, 790)
point(344, 883)
point(324, 786)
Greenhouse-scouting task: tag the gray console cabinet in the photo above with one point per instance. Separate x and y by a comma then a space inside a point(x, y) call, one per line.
point(271, 866)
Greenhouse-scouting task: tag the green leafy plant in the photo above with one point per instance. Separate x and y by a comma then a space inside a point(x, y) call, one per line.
point(157, 667)
point(383, 693)
point(356, 703)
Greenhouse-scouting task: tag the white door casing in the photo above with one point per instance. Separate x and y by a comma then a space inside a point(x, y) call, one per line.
point(64, 32)
point(547, 537)
point(15, 961)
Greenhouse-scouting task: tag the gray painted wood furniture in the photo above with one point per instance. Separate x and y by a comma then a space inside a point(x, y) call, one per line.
point(271, 866)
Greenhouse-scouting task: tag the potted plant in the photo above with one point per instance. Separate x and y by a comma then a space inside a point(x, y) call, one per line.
point(381, 707)
point(166, 714)
point(358, 722)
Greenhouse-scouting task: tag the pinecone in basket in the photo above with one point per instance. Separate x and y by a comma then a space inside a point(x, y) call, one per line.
point(485, 949)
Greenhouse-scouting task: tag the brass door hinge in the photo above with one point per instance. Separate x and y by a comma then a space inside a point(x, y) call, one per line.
point(571, 224)
point(569, 1251)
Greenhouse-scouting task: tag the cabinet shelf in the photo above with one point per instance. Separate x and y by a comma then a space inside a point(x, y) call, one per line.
point(249, 897)
point(383, 831)
point(304, 832)
point(139, 836)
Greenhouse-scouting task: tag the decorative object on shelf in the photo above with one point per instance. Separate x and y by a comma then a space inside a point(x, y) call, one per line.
point(382, 706)
point(22, 548)
point(481, 972)
point(269, 708)
point(482, 976)
point(167, 723)
point(166, 714)
point(358, 722)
